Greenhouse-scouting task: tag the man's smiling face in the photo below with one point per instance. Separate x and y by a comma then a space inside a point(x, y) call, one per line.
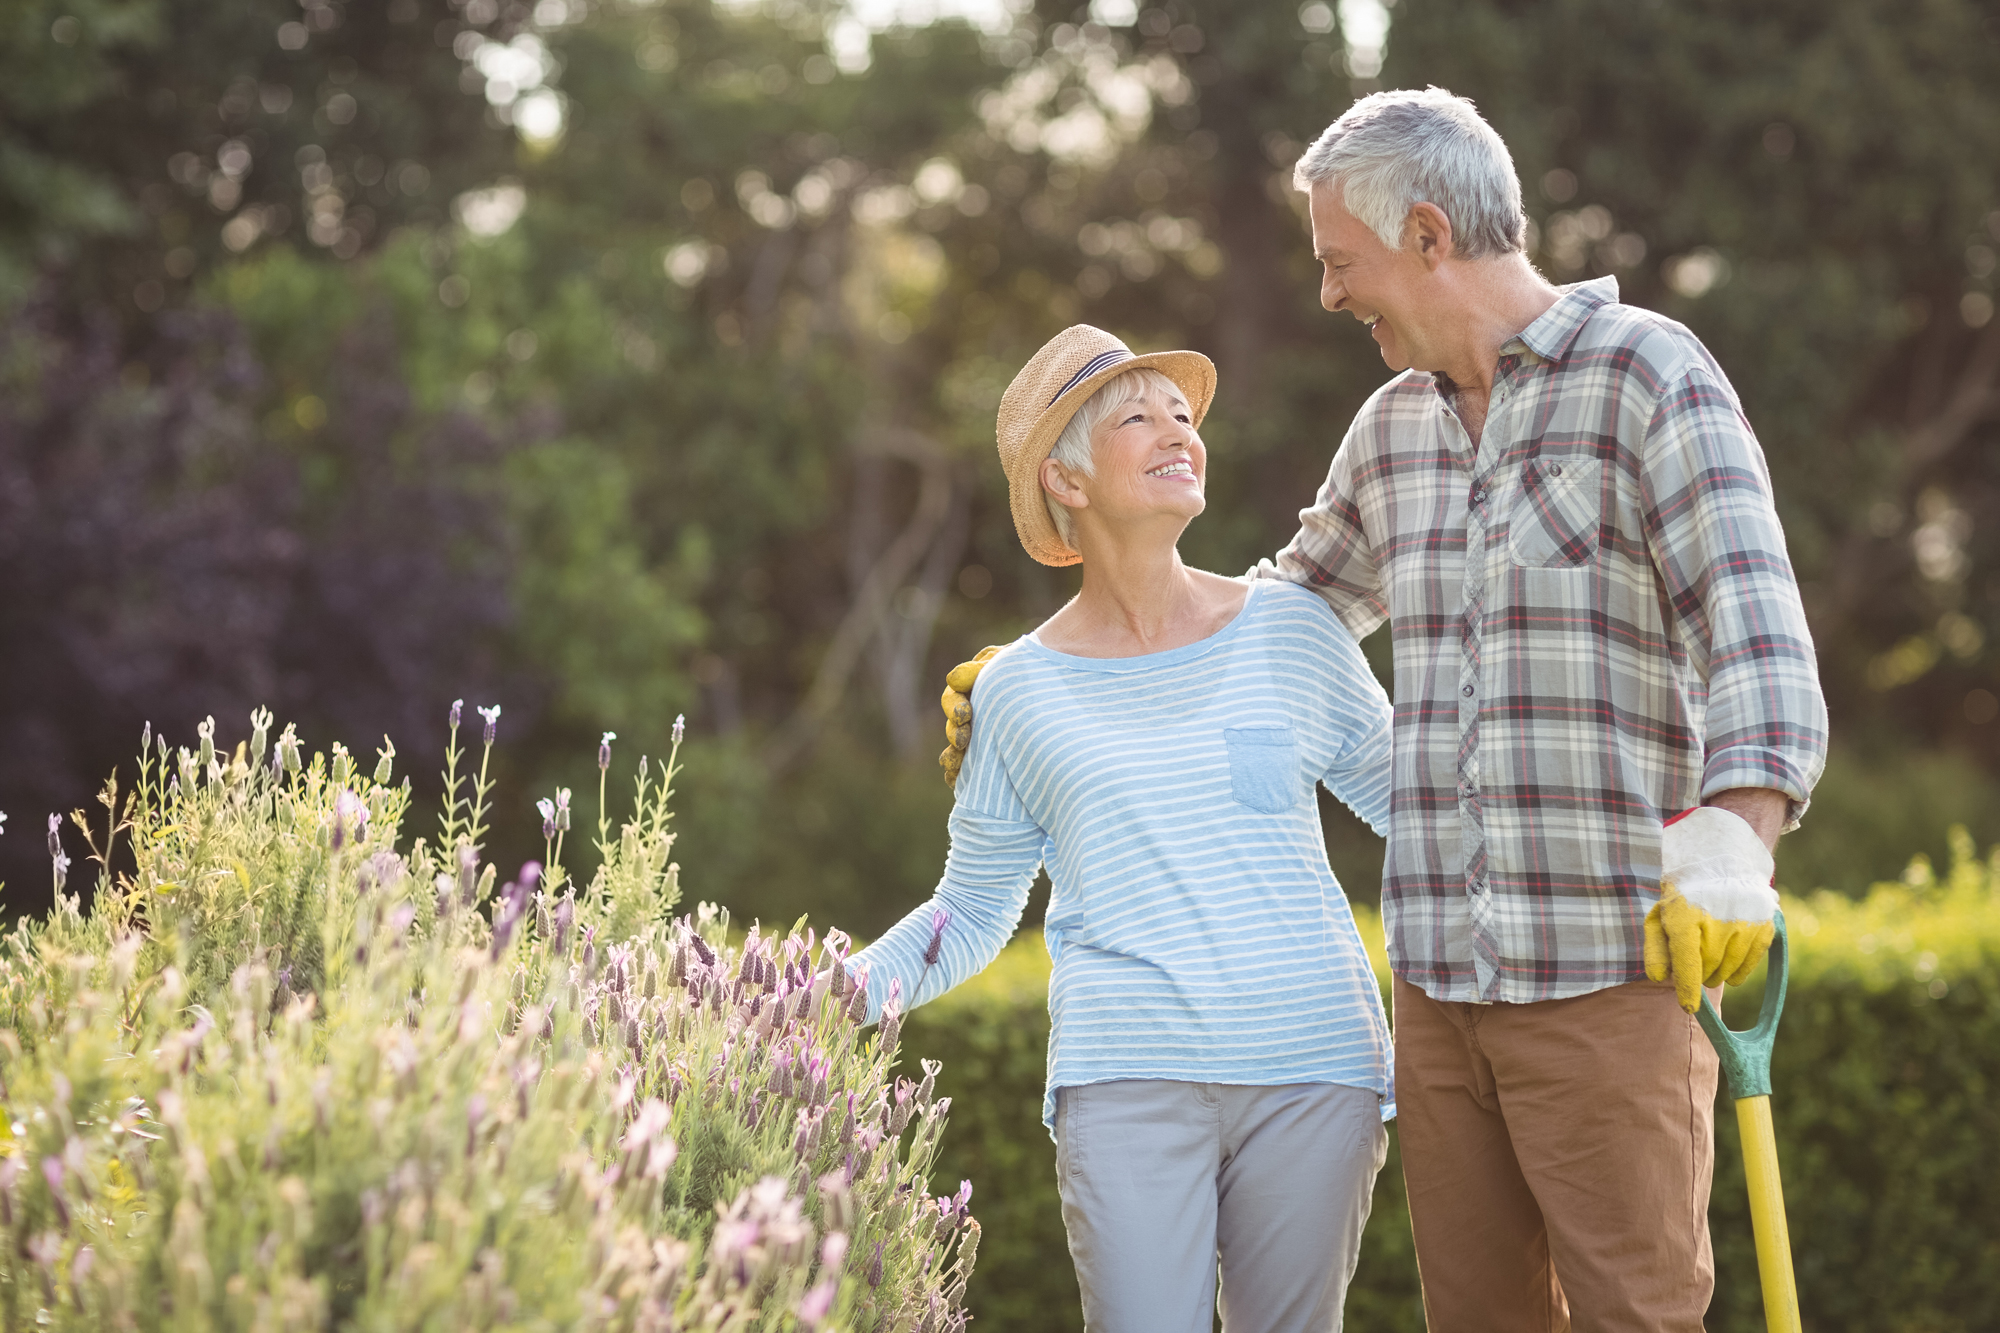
point(1377, 285)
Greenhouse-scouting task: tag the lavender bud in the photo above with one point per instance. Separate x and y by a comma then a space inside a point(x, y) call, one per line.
point(457, 711)
point(701, 949)
point(146, 737)
point(857, 1012)
point(940, 918)
point(604, 751)
point(875, 1264)
point(565, 916)
point(892, 1027)
point(55, 836)
point(680, 727)
point(492, 716)
point(468, 874)
point(544, 924)
point(562, 809)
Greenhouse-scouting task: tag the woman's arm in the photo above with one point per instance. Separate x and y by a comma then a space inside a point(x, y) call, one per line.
point(1356, 707)
point(966, 923)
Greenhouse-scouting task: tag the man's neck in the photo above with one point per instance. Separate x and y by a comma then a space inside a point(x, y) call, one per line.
point(1490, 301)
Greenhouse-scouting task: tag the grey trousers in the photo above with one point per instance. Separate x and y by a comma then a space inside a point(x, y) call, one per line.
point(1159, 1179)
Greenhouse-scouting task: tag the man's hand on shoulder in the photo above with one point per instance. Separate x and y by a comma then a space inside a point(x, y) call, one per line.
point(957, 703)
point(1716, 916)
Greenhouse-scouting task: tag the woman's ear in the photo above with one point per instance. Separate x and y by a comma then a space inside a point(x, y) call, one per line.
point(1058, 483)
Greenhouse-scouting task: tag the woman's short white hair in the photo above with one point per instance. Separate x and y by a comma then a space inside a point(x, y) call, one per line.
point(1394, 150)
point(1073, 449)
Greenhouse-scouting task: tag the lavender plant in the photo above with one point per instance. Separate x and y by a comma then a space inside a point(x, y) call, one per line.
point(284, 1075)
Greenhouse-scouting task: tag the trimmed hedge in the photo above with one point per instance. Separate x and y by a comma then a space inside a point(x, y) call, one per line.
point(1885, 1078)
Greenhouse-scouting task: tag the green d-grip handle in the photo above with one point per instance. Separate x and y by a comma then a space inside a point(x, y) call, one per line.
point(1746, 1056)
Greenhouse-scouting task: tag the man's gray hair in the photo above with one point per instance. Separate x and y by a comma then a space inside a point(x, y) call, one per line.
point(1072, 448)
point(1395, 150)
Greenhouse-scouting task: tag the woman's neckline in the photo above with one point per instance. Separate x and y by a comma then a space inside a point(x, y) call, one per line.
point(1165, 656)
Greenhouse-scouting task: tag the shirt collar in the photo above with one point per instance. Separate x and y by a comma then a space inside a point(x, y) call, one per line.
point(1556, 328)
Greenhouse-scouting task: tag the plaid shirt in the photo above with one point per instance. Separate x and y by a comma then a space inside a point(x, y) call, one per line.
point(1595, 626)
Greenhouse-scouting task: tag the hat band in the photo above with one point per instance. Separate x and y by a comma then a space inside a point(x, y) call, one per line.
point(1091, 367)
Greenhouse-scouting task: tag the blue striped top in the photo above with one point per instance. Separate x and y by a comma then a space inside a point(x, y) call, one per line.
point(1195, 928)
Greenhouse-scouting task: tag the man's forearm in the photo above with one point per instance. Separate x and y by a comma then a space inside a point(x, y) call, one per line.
point(1761, 808)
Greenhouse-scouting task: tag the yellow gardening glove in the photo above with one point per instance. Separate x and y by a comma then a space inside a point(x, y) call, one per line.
point(1715, 918)
point(957, 703)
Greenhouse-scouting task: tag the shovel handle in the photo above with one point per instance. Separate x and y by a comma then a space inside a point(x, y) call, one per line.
point(1746, 1061)
point(1746, 1056)
point(1767, 1215)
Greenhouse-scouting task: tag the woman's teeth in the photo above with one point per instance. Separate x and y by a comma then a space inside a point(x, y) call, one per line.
point(1172, 470)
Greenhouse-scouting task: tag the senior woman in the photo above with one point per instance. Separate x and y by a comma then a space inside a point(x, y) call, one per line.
point(1218, 1057)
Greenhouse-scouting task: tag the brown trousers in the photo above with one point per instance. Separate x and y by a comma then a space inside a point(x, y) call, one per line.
point(1557, 1157)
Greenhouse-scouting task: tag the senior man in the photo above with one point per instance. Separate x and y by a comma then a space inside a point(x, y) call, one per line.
point(1606, 710)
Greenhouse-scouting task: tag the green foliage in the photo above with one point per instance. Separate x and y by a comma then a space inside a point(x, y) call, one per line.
point(1883, 1092)
point(1884, 1081)
point(285, 1076)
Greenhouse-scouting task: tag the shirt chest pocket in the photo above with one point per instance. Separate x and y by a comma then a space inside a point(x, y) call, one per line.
point(1263, 768)
point(1558, 512)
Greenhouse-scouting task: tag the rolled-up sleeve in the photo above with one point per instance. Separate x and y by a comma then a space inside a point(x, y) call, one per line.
point(1714, 536)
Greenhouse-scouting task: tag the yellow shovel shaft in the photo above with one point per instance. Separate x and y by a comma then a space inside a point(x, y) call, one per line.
point(1767, 1215)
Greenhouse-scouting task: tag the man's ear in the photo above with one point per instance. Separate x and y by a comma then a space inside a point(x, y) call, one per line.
point(1058, 483)
point(1429, 232)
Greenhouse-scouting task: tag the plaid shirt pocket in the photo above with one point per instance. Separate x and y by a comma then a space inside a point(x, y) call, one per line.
point(1558, 512)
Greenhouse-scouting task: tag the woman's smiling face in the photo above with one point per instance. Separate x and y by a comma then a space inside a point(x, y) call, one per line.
point(1149, 460)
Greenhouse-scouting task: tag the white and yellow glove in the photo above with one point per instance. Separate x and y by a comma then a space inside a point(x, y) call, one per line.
point(1715, 918)
point(957, 703)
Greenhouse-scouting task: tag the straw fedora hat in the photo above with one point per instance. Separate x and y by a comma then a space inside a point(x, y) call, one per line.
point(1040, 402)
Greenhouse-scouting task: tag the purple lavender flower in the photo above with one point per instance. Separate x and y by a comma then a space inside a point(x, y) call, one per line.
point(548, 809)
point(562, 809)
point(457, 711)
point(513, 905)
point(817, 1304)
point(565, 914)
point(52, 1172)
point(604, 751)
point(940, 918)
point(348, 807)
point(55, 836)
point(492, 716)
point(680, 727)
